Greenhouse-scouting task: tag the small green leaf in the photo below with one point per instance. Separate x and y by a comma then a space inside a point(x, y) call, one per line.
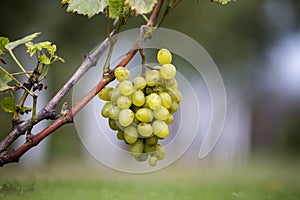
point(44, 59)
point(223, 2)
point(4, 80)
point(116, 8)
point(86, 7)
point(3, 41)
point(141, 7)
point(25, 110)
point(12, 45)
point(43, 45)
point(31, 48)
point(8, 104)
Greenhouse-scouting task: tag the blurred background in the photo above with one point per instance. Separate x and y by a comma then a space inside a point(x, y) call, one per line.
point(255, 44)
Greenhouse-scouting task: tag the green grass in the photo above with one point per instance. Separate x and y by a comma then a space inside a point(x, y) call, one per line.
point(70, 181)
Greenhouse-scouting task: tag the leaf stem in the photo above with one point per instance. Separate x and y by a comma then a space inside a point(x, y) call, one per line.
point(18, 63)
point(21, 73)
point(18, 82)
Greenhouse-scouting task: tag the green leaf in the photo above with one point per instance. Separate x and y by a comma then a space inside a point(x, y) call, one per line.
point(116, 8)
point(25, 110)
point(8, 105)
point(44, 59)
point(141, 7)
point(87, 7)
point(3, 41)
point(12, 45)
point(4, 80)
point(223, 2)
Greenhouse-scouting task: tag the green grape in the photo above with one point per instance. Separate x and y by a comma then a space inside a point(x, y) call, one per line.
point(149, 148)
point(159, 152)
point(170, 119)
point(160, 129)
point(152, 140)
point(137, 148)
point(126, 88)
point(145, 129)
point(105, 93)
point(115, 95)
point(114, 125)
point(120, 135)
point(139, 82)
point(126, 117)
point(168, 71)
point(173, 108)
point(166, 100)
point(152, 161)
point(144, 115)
point(114, 112)
point(172, 83)
point(161, 113)
point(130, 135)
point(106, 109)
point(142, 157)
point(152, 77)
point(138, 98)
point(164, 56)
point(175, 95)
point(122, 74)
point(124, 102)
point(153, 101)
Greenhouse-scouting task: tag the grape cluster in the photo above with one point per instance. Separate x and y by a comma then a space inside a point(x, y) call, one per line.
point(140, 111)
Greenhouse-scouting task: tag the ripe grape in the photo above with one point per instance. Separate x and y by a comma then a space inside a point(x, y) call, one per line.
point(106, 109)
point(126, 117)
point(124, 102)
point(161, 113)
point(138, 98)
point(145, 129)
point(159, 152)
point(152, 77)
point(166, 100)
point(113, 113)
point(113, 124)
point(139, 82)
point(142, 157)
point(170, 119)
point(120, 135)
point(121, 74)
point(164, 56)
point(130, 135)
point(149, 148)
point(105, 93)
point(152, 140)
point(144, 115)
point(152, 161)
point(115, 95)
point(153, 101)
point(137, 148)
point(168, 71)
point(126, 88)
point(174, 107)
point(160, 129)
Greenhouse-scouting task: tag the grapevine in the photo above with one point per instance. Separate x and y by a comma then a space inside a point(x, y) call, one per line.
point(140, 111)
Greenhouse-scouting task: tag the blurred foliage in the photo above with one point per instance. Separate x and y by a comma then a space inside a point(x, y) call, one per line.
point(233, 35)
